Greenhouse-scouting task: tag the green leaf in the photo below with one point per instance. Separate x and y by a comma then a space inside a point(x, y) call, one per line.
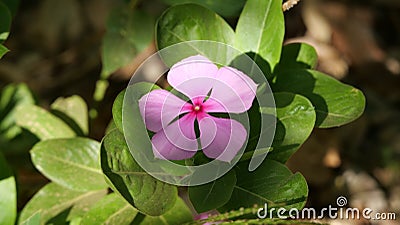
point(261, 29)
point(214, 194)
point(295, 121)
point(11, 97)
point(58, 204)
point(117, 111)
point(227, 8)
point(75, 221)
point(119, 102)
point(42, 123)
point(8, 194)
point(179, 214)
point(335, 103)
point(270, 183)
point(297, 56)
point(192, 22)
point(128, 33)
point(72, 163)
point(112, 209)
point(73, 110)
point(12, 5)
point(3, 50)
point(147, 194)
point(11, 135)
point(5, 22)
point(33, 220)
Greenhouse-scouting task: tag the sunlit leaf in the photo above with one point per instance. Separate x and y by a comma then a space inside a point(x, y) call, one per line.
point(8, 194)
point(112, 209)
point(3, 50)
point(179, 214)
point(74, 111)
point(297, 56)
point(270, 183)
point(191, 22)
point(12, 137)
point(72, 163)
point(260, 29)
point(42, 123)
point(33, 220)
point(295, 121)
point(227, 8)
point(335, 103)
point(58, 204)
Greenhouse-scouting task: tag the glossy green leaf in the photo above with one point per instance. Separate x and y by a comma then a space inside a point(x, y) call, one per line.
point(295, 121)
point(297, 56)
point(335, 103)
point(12, 137)
point(5, 22)
point(112, 209)
point(212, 195)
point(147, 194)
point(8, 194)
point(11, 97)
point(198, 30)
point(42, 123)
point(261, 29)
point(33, 220)
point(128, 33)
point(74, 111)
point(227, 8)
point(75, 221)
point(192, 22)
point(3, 50)
point(71, 162)
point(119, 102)
point(58, 204)
point(271, 183)
point(179, 214)
point(117, 110)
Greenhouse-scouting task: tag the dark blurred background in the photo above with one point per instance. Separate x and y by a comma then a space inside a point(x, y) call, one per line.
point(56, 50)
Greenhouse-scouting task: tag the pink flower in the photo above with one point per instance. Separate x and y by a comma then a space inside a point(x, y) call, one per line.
point(210, 90)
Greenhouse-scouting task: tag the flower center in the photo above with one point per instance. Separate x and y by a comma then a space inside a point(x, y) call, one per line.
point(196, 108)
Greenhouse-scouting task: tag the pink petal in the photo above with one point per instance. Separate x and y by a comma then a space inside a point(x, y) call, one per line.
point(160, 107)
point(176, 141)
point(233, 91)
point(221, 138)
point(193, 76)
